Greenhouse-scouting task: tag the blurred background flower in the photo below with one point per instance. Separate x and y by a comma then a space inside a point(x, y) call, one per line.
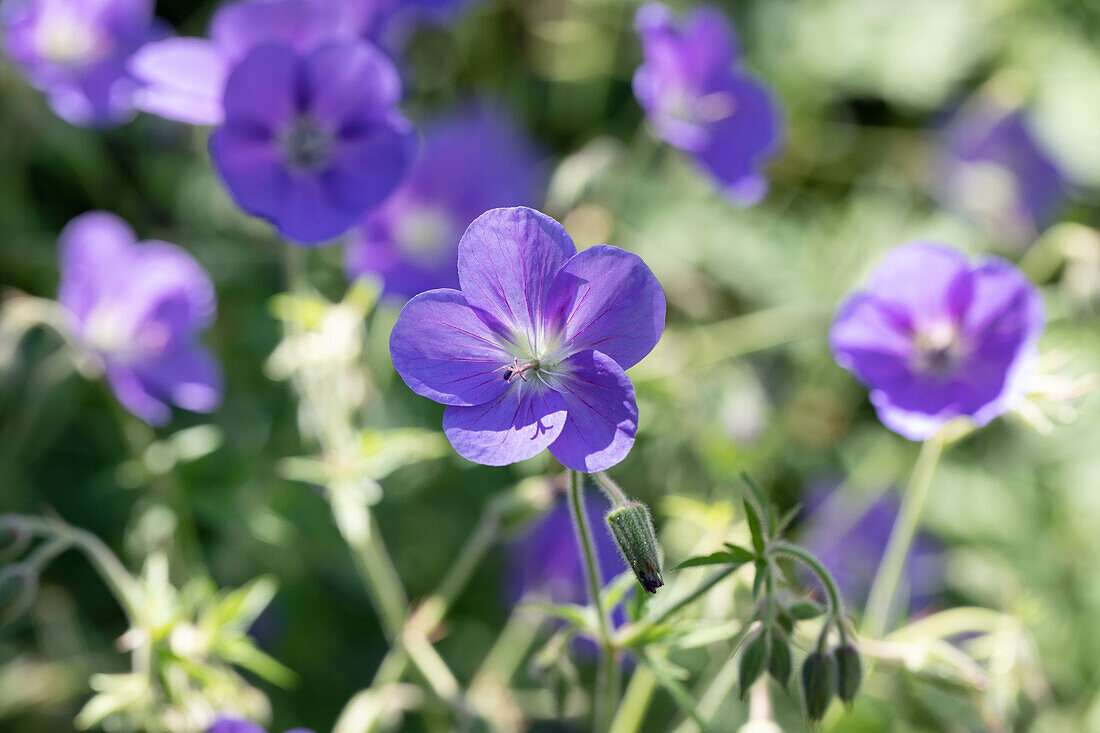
point(474, 158)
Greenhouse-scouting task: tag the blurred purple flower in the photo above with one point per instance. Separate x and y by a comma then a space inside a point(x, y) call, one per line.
point(935, 336)
point(698, 100)
point(239, 725)
point(310, 142)
point(990, 165)
point(390, 22)
point(472, 161)
point(76, 50)
point(513, 354)
point(184, 78)
point(139, 307)
point(850, 537)
point(544, 563)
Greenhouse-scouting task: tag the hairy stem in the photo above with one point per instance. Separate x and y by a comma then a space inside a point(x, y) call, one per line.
point(607, 681)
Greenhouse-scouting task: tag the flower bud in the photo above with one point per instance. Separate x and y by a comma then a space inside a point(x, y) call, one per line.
point(754, 658)
point(779, 663)
point(849, 672)
point(632, 529)
point(818, 684)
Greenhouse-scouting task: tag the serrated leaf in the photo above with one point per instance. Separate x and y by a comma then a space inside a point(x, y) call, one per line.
point(740, 554)
point(754, 527)
point(715, 558)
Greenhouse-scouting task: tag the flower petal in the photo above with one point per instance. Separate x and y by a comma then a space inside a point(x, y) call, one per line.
point(445, 352)
point(507, 260)
point(927, 279)
point(607, 299)
point(238, 27)
point(95, 252)
point(517, 425)
point(183, 79)
point(262, 89)
point(188, 376)
point(368, 166)
point(872, 340)
point(603, 415)
point(350, 81)
point(134, 395)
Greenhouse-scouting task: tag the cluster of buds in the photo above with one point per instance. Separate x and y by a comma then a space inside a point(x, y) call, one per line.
point(825, 676)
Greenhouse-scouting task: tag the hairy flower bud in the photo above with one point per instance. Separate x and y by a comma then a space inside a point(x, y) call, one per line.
point(632, 529)
point(849, 670)
point(818, 684)
point(754, 659)
point(779, 663)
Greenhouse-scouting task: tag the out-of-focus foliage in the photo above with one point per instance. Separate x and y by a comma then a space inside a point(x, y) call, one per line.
point(742, 377)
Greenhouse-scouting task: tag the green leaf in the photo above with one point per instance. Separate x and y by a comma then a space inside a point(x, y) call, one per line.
point(579, 616)
point(241, 652)
point(664, 672)
point(740, 554)
point(239, 608)
point(715, 558)
point(762, 500)
point(614, 591)
point(385, 451)
point(758, 579)
point(754, 527)
point(787, 518)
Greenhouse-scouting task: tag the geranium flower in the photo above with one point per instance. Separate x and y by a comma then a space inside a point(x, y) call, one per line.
point(238, 725)
point(697, 99)
point(530, 353)
point(76, 50)
point(471, 161)
point(138, 308)
point(935, 337)
point(991, 166)
point(184, 79)
point(311, 142)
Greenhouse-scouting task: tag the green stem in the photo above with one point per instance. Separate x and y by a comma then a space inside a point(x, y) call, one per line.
point(885, 585)
point(607, 672)
point(632, 633)
point(635, 704)
point(611, 489)
point(832, 592)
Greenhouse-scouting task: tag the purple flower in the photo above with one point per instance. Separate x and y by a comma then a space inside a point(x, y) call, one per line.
point(545, 561)
point(76, 50)
point(471, 162)
point(139, 308)
point(697, 100)
point(935, 336)
point(184, 78)
point(239, 725)
point(990, 165)
point(310, 142)
point(530, 353)
point(850, 536)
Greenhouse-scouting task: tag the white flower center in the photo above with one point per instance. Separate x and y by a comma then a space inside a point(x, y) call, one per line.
point(67, 37)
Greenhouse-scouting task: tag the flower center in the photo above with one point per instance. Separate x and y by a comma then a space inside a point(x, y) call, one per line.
point(939, 350)
point(306, 145)
point(425, 234)
point(69, 38)
point(109, 331)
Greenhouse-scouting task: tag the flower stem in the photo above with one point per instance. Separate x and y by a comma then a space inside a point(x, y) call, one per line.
point(607, 677)
point(885, 585)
